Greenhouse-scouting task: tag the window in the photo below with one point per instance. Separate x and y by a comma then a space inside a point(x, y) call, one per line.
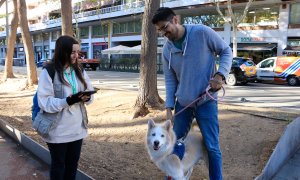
point(295, 14)
point(293, 42)
point(127, 27)
point(211, 20)
point(45, 36)
point(263, 16)
point(123, 27)
point(2, 42)
point(38, 38)
point(267, 63)
point(138, 26)
point(55, 35)
point(116, 28)
point(130, 27)
point(98, 31)
point(84, 32)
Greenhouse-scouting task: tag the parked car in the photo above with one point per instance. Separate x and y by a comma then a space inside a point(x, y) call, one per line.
point(42, 62)
point(88, 63)
point(279, 69)
point(242, 71)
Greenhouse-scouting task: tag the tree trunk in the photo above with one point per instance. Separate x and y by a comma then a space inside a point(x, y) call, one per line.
point(8, 70)
point(148, 94)
point(66, 17)
point(31, 67)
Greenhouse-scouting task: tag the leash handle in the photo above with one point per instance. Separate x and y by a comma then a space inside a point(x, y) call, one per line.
point(211, 97)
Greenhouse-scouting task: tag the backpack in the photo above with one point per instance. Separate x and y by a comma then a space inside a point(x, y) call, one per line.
point(35, 106)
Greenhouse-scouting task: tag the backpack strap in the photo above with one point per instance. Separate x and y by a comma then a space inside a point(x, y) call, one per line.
point(50, 69)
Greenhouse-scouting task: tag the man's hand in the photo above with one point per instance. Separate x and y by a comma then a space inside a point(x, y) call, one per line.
point(169, 114)
point(216, 83)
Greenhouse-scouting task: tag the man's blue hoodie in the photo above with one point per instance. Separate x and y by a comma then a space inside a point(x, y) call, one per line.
point(188, 71)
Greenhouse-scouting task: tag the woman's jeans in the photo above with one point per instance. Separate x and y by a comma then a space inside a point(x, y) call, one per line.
point(64, 159)
point(207, 119)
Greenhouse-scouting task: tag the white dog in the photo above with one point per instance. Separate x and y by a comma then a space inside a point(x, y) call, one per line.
point(160, 143)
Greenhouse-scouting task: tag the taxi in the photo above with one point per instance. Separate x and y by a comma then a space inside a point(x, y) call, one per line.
point(243, 70)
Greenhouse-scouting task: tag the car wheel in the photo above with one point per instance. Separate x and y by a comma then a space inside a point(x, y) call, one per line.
point(231, 80)
point(292, 81)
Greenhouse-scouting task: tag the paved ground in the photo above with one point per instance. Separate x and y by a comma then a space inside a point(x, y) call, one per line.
point(18, 164)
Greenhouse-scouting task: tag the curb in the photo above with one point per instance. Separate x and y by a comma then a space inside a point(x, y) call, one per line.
point(34, 147)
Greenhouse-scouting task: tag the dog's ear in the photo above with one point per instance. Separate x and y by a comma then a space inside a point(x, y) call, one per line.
point(151, 123)
point(168, 125)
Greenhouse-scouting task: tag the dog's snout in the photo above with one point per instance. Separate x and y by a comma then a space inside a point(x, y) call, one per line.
point(156, 143)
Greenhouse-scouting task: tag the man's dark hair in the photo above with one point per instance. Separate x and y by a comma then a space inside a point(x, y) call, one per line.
point(163, 14)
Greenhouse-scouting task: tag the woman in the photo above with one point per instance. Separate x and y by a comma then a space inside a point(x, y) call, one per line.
point(63, 95)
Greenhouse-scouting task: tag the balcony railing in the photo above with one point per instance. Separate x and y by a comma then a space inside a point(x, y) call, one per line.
point(134, 6)
point(112, 9)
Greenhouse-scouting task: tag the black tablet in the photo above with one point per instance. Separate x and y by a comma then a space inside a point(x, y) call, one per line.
point(88, 93)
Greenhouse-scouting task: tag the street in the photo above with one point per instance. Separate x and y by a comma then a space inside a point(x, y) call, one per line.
point(253, 94)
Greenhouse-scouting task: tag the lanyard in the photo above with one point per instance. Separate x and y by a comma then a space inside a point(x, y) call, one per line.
point(71, 81)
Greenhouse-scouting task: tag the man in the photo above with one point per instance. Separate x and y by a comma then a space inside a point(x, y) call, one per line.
point(189, 67)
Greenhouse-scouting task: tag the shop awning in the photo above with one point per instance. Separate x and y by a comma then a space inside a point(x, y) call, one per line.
point(256, 47)
point(120, 49)
point(126, 50)
point(292, 48)
point(292, 51)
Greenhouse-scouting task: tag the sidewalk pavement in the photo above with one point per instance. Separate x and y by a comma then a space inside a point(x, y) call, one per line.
point(16, 163)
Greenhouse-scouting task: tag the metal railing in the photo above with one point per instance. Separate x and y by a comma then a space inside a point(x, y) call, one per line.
point(125, 67)
point(123, 7)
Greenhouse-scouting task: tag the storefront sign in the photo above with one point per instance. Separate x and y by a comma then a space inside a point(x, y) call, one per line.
point(252, 39)
point(100, 43)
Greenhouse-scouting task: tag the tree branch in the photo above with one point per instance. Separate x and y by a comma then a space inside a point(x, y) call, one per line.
point(1, 2)
point(220, 12)
point(231, 14)
point(245, 12)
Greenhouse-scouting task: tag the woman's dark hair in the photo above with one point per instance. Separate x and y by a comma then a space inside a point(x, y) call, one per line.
point(163, 14)
point(62, 57)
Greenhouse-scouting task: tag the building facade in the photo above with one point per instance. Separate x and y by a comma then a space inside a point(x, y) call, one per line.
point(271, 27)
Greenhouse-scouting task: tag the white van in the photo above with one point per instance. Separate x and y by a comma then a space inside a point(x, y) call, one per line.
point(279, 69)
